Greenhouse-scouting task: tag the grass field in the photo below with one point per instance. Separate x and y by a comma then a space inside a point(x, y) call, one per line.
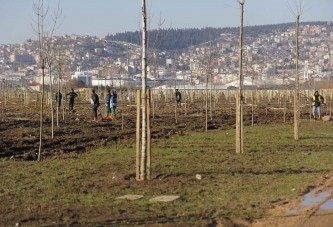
point(83, 189)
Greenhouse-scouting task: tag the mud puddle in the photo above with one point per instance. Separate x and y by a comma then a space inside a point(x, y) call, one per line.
point(313, 197)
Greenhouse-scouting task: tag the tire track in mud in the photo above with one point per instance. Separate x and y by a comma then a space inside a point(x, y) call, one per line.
point(304, 216)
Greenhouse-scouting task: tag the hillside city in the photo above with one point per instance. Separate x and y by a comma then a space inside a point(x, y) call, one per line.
point(269, 60)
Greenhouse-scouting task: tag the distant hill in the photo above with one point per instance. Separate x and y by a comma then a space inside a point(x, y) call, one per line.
point(178, 39)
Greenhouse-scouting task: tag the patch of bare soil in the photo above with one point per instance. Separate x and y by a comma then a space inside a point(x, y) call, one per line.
point(19, 128)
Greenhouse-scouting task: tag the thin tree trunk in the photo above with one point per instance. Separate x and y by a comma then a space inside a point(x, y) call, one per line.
point(252, 114)
point(51, 94)
point(41, 113)
point(57, 105)
point(210, 97)
point(206, 104)
point(296, 95)
point(64, 100)
point(239, 96)
point(144, 94)
point(284, 101)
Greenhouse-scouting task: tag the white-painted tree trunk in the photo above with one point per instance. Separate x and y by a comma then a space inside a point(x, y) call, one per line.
point(143, 175)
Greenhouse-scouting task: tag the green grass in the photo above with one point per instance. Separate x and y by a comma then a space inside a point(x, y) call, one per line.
point(274, 167)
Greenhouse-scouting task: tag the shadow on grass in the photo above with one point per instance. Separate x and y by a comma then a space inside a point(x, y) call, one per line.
point(162, 220)
point(316, 137)
point(238, 172)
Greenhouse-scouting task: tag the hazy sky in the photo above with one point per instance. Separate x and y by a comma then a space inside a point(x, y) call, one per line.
point(100, 17)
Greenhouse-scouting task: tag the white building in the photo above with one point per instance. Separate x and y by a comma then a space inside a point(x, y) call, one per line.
point(107, 82)
point(47, 79)
point(84, 76)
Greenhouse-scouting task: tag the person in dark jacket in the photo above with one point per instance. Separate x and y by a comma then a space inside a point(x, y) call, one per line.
point(94, 104)
point(178, 98)
point(72, 96)
point(58, 97)
point(114, 100)
point(316, 100)
point(108, 103)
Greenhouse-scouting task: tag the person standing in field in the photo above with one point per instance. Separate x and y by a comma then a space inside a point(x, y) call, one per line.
point(95, 104)
point(114, 100)
point(108, 105)
point(72, 96)
point(178, 98)
point(317, 99)
point(58, 97)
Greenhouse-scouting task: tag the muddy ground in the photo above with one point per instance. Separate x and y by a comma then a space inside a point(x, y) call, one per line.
point(19, 128)
point(77, 135)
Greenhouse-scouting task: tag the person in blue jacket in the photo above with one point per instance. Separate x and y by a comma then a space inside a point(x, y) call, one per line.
point(108, 103)
point(114, 104)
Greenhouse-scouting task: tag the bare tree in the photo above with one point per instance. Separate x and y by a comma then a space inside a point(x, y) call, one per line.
point(38, 8)
point(297, 11)
point(41, 12)
point(154, 43)
point(50, 58)
point(145, 101)
point(239, 95)
point(208, 78)
point(60, 69)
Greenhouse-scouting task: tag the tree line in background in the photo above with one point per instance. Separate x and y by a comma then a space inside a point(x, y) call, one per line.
point(178, 39)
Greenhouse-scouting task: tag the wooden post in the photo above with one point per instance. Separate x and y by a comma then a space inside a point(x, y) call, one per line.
point(284, 101)
point(64, 100)
point(41, 114)
point(185, 107)
point(123, 100)
point(296, 95)
point(206, 104)
point(151, 97)
point(330, 102)
point(266, 99)
point(310, 109)
point(149, 101)
point(138, 112)
point(176, 111)
point(50, 99)
point(252, 94)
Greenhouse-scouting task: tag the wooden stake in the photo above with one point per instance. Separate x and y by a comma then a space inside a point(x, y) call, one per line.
point(149, 95)
point(138, 112)
point(296, 93)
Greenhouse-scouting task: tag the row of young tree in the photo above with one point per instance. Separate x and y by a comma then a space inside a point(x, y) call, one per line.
point(47, 56)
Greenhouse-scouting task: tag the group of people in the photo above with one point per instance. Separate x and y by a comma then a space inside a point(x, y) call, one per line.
point(316, 102)
point(72, 95)
point(111, 101)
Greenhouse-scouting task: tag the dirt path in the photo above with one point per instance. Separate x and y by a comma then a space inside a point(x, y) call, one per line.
point(313, 209)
